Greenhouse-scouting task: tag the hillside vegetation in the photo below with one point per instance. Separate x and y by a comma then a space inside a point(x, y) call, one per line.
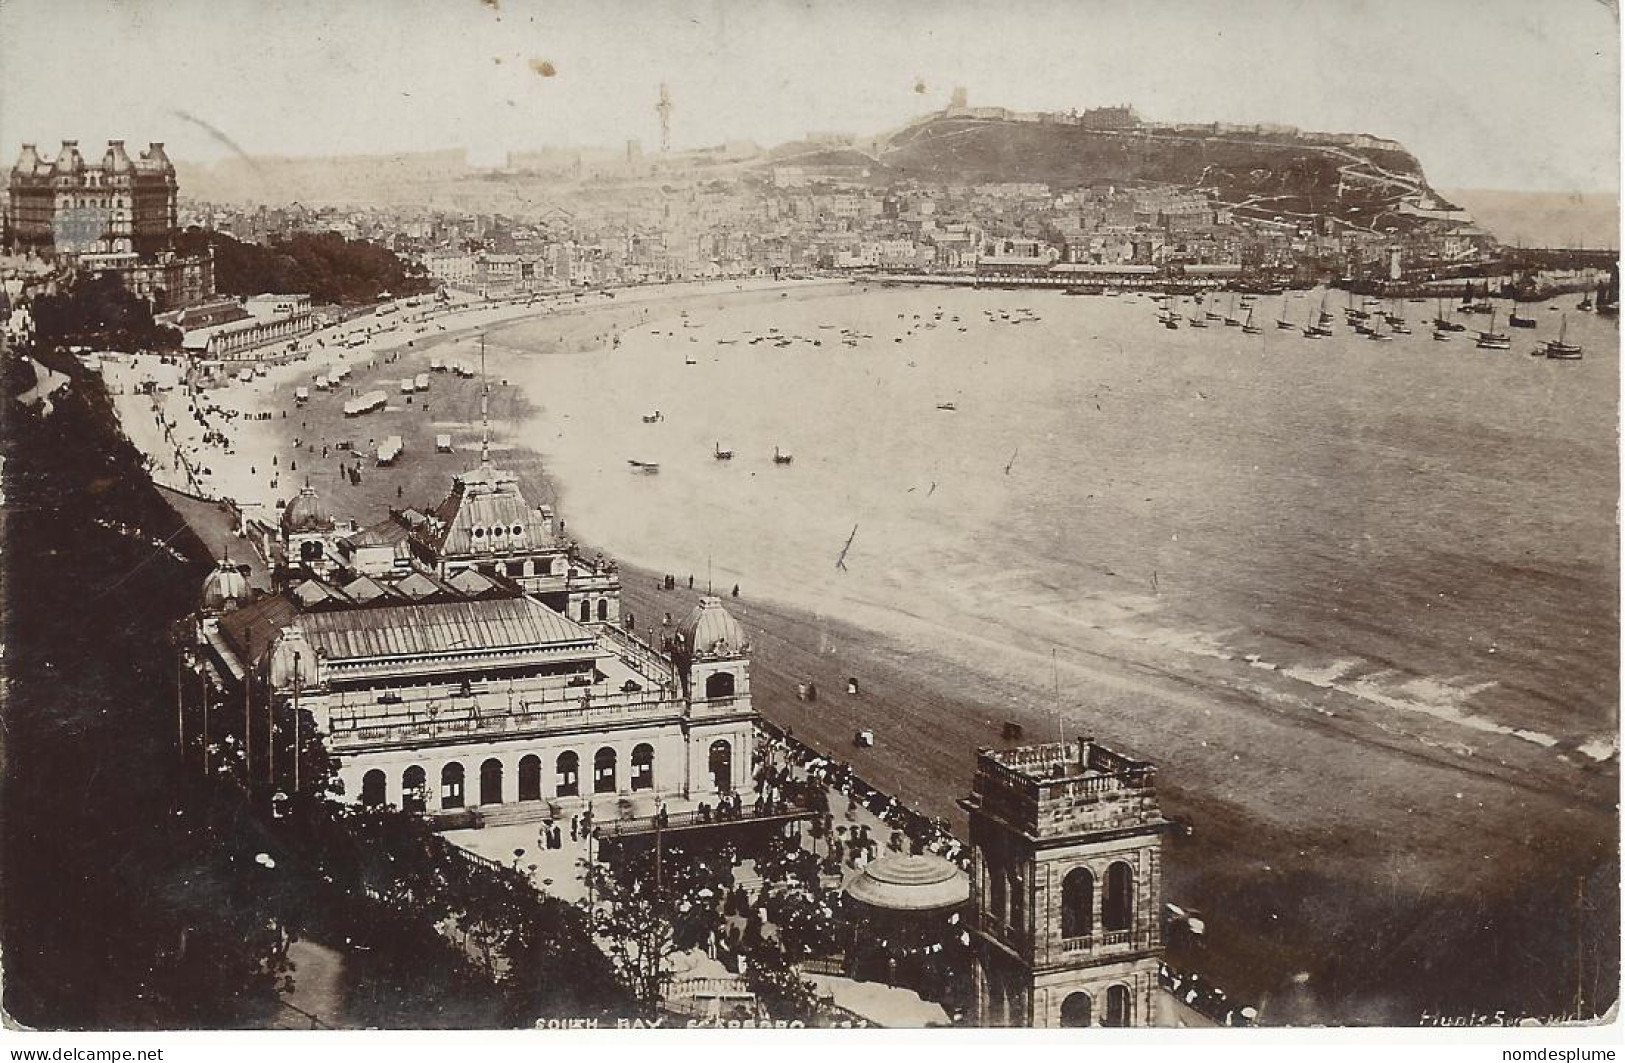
point(1288, 172)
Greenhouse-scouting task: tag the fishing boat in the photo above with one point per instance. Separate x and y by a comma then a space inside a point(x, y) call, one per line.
point(1197, 321)
point(1375, 332)
point(1248, 327)
point(1319, 323)
point(643, 466)
point(1517, 320)
point(781, 457)
point(1231, 319)
point(1442, 322)
point(1560, 348)
point(653, 418)
point(947, 406)
point(722, 454)
point(1608, 296)
point(1281, 322)
point(1491, 340)
point(691, 360)
point(1441, 335)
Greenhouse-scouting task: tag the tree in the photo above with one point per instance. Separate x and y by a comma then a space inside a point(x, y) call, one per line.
point(778, 988)
point(634, 918)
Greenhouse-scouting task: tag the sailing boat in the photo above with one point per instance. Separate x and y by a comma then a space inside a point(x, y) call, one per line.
point(1352, 312)
point(1281, 322)
point(1318, 323)
point(1492, 340)
point(1231, 318)
point(1374, 330)
point(1442, 322)
point(1560, 348)
point(1608, 296)
point(1248, 327)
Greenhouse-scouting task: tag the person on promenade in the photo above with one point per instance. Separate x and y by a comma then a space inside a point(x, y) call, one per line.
point(575, 828)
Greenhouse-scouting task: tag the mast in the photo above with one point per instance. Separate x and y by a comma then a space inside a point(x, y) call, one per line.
point(485, 410)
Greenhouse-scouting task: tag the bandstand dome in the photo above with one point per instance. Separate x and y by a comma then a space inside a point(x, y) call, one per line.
point(711, 631)
point(903, 883)
point(306, 513)
point(225, 587)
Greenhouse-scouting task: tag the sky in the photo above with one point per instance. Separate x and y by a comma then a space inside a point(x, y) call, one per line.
point(1498, 94)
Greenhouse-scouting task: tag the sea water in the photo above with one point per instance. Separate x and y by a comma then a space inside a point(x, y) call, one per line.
point(1422, 525)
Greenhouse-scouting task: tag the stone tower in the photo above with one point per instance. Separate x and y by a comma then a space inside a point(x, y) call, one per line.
point(1066, 886)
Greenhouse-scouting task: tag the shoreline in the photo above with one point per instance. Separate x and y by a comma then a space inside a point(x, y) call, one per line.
point(1244, 854)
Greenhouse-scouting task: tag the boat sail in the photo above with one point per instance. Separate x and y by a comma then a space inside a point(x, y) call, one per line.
point(1491, 340)
point(1560, 348)
point(1281, 322)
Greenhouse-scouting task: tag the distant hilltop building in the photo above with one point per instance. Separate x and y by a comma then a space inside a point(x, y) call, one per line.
point(118, 216)
point(1120, 117)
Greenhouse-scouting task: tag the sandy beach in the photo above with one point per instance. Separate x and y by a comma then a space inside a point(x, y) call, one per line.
point(1349, 869)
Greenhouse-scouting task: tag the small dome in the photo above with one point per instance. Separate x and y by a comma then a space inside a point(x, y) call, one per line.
point(224, 588)
point(293, 662)
point(711, 631)
point(905, 883)
point(306, 513)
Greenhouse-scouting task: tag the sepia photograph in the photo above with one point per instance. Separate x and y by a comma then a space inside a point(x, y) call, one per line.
point(741, 515)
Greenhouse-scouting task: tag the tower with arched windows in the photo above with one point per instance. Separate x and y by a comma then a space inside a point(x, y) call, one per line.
point(713, 664)
point(1066, 886)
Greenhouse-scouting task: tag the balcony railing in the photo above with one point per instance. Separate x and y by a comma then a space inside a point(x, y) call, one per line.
point(678, 821)
point(645, 658)
point(529, 717)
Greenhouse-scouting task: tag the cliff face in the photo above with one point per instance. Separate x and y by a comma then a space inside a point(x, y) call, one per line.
point(1283, 173)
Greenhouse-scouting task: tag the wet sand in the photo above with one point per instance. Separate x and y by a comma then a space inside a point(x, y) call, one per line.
point(1396, 877)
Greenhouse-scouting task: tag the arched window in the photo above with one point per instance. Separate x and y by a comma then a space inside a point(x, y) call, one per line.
point(414, 789)
point(491, 782)
point(569, 778)
point(530, 777)
point(1078, 903)
point(586, 610)
point(1117, 906)
point(603, 608)
point(1118, 1009)
point(643, 766)
point(603, 771)
point(1076, 1010)
point(451, 786)
point(1018, 899)
point(722, 764)
point(372, 788)
point(719, 685)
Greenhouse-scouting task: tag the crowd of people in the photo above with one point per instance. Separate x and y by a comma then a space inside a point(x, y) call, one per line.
point(787, 762)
